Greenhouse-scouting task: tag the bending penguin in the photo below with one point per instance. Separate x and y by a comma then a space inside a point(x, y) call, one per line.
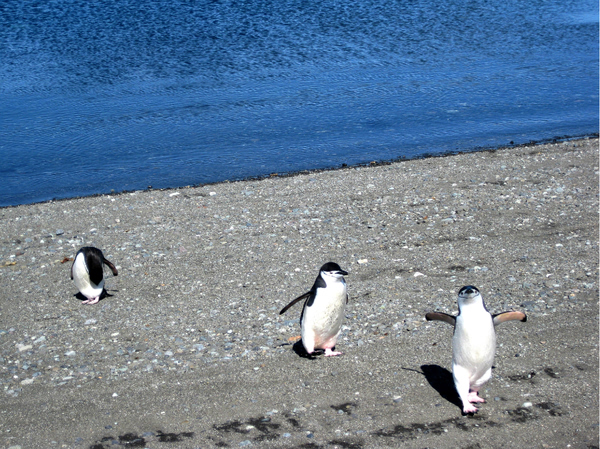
point(473, 343)
point(323, 311)
point(87, 272)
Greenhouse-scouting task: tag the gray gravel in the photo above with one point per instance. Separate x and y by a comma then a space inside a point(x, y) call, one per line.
point(189, 351)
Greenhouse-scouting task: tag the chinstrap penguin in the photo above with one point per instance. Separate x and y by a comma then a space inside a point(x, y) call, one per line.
point(87, 272)
point(323, 310)
point(473, 343)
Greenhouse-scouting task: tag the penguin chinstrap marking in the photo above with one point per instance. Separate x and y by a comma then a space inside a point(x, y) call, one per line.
point(87, 272)
point(323, 311)
point(473, 343)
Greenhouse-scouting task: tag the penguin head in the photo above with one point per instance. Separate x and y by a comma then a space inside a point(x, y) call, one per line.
point(468, 294)
point(468, 290)
point(332, 270)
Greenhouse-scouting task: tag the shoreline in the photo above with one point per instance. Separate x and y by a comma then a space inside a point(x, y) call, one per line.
point(190, 349)
point(343, 166)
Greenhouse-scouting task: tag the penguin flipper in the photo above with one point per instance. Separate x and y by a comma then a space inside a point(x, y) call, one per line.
point(508, 316)
point(298, 299)
point(441, 316)
point(111, 266)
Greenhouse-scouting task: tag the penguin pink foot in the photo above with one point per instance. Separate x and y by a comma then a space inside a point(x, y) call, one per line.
point(330, 353)
point(91, 300)
point(469, 408)
point(474, 398)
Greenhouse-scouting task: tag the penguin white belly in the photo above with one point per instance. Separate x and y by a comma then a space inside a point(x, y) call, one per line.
point(322, 321)
point(82, 280)
point(474, 345)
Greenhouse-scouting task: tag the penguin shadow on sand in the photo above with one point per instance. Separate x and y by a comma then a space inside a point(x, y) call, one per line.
point(441, 380)
point(103, 295)
point(299, 349)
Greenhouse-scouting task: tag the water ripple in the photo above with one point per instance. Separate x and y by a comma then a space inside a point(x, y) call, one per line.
point(122, 94)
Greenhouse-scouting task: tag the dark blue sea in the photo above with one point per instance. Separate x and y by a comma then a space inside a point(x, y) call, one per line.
point(113, 95)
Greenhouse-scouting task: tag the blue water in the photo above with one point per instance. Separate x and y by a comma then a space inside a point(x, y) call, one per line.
point(123, 94)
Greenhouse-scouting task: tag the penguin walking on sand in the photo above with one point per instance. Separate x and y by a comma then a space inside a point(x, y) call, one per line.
point(323, 311)
point(473, 343)
point(87, 272)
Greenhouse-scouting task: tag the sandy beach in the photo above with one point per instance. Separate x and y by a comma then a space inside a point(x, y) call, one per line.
point(189, 349)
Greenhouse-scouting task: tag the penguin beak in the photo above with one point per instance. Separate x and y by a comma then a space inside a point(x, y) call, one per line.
point(342, 272)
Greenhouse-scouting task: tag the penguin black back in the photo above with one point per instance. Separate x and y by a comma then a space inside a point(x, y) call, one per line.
point(93, 261)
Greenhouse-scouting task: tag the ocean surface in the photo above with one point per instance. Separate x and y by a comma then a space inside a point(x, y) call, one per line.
point(124, 94)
